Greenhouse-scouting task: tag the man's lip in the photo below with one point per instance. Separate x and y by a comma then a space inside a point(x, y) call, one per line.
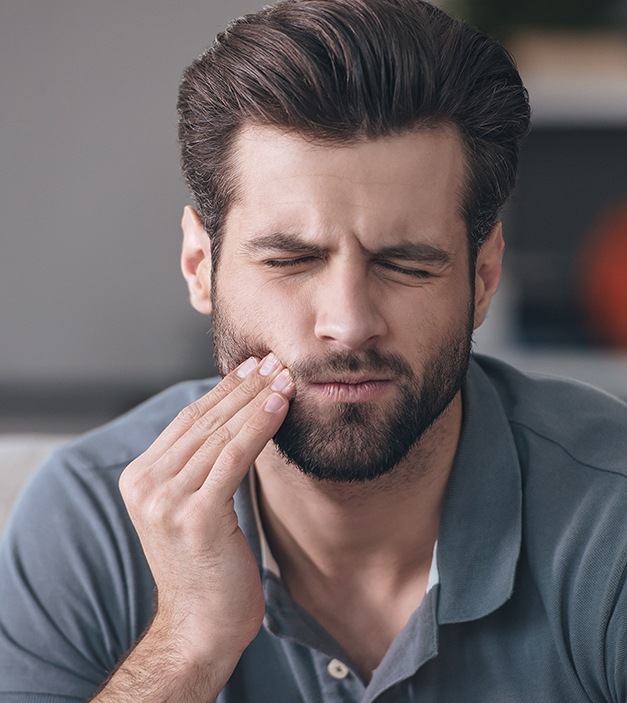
point(349, 380)
point(355, 390)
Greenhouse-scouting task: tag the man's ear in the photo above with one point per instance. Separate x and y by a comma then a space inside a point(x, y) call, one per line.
point(488, 272)
point(196, 260)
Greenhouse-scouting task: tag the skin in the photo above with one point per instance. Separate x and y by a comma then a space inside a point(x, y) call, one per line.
point(346, 551)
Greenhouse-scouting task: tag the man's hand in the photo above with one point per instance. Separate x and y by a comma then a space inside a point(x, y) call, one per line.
point(179, 495)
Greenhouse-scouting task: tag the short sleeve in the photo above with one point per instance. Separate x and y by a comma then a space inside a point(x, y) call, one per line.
point(75, 589)
point(616, 644)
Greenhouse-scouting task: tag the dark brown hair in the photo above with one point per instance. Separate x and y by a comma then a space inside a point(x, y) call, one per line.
point(338, 71)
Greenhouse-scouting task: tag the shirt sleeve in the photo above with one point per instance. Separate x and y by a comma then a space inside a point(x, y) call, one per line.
point(75, 589)
point(616, 644)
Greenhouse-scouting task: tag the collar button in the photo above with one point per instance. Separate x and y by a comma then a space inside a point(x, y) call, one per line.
point(337, 669)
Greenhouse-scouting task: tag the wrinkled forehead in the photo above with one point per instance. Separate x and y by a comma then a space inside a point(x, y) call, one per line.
point(414, 180)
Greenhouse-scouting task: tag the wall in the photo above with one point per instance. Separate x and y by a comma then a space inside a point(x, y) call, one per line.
point(90, 198)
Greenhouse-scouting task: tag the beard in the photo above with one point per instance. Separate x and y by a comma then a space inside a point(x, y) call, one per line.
point(355, 442)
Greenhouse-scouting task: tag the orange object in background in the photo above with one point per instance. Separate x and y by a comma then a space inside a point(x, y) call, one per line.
point(603, 268)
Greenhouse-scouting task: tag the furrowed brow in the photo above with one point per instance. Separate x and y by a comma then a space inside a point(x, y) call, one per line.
point(278, 242)
point(419, 252)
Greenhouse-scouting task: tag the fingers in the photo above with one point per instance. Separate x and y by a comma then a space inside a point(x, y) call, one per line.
point(220, 464)
point(254, 383)
point(197, 421)
point(232, 463)
point(210, 433)
point(197, 410)
point(190, 445)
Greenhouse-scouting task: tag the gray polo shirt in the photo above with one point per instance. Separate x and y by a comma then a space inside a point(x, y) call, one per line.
point(528, 600)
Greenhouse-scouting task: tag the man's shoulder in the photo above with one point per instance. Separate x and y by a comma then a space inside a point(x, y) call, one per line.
point(72, 568)
point(584, 422)
point(123, 439)
point(87, 468)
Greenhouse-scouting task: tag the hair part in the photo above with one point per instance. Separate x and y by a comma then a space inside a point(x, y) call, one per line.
point(340, 71)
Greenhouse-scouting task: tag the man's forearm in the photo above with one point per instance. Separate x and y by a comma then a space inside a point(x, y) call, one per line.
point(157, 670)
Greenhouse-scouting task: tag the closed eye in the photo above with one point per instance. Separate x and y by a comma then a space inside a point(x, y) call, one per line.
point(286, 263)
point(418, 273)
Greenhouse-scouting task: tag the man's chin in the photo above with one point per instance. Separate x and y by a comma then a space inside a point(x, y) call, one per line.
point(339, 442)
point(336, 469)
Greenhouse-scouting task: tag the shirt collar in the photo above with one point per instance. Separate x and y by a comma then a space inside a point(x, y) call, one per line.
point(481, 526)
point(268, 562)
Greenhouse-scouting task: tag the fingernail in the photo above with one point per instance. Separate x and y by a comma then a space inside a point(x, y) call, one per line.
point(282, 381)
point(270, 363)
point(274, 403)
point(246, 367)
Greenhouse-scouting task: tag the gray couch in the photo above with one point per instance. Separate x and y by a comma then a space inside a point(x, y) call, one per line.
point(20, 454)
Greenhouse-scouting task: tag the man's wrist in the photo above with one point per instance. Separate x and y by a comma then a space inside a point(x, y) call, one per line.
point(165, 667)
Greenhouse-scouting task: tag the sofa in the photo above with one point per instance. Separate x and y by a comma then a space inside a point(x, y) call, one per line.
point(20, 454)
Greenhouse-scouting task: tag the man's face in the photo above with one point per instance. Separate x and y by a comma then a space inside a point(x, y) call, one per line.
point(351, 264)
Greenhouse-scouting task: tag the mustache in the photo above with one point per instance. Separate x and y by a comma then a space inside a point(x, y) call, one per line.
point(309, 369)
point(373, 361)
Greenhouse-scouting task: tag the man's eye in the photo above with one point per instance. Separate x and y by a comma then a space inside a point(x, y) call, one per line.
point(417, 273)
point(286, 263)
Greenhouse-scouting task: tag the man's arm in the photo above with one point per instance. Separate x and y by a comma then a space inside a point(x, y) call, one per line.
point(179, 495)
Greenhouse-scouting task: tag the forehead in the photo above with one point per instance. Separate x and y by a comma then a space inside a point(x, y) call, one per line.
point(397, 186)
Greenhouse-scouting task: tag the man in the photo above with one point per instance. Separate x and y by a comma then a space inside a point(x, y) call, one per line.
point(358, 511)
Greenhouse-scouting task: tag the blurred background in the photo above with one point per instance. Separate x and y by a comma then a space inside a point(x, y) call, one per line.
point(93, 310)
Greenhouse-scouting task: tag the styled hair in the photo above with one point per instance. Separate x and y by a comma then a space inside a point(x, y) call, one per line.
point(340, 71)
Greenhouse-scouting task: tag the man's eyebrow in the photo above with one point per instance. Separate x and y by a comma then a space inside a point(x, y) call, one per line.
point(279, 242)
point(405, 251)
point(416, 251)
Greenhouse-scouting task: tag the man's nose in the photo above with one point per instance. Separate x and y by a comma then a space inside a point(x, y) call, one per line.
point(349, 311)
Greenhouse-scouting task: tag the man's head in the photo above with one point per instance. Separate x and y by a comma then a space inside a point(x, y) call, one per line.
point(339, 71)
point(348, 160)
point(351, 264)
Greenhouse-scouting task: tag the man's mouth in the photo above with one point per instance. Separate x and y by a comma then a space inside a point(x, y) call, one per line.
point(350, 388)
